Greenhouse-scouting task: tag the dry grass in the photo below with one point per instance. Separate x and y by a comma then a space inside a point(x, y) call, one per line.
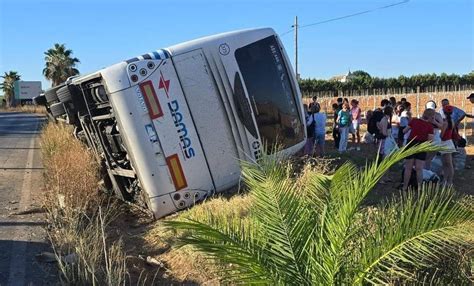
point(184, 264)
point(77, 214)
point(27, 109)
point(71, 173)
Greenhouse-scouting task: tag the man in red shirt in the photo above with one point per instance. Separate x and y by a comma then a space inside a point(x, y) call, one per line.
point(421, 131)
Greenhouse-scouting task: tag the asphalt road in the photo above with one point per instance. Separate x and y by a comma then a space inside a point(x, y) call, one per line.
point(22, 236)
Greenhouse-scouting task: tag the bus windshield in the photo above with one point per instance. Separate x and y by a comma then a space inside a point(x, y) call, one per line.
point(270, 92)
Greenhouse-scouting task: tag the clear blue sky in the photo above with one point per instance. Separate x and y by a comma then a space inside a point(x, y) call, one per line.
point(420, 36)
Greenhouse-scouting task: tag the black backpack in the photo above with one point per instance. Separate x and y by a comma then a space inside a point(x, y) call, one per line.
point(310, 128)
point(372, 124)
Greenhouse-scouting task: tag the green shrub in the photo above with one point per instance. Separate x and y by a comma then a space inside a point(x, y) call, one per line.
point(314, 229)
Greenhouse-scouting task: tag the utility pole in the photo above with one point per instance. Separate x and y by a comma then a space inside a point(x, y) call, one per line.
point(296, 47)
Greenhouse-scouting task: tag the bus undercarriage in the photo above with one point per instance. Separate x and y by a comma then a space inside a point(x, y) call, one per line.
point(85, 105)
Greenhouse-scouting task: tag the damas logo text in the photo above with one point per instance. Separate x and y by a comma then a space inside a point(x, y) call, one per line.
point(185, 141)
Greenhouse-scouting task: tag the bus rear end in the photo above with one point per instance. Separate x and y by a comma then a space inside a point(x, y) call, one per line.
point(159, 134)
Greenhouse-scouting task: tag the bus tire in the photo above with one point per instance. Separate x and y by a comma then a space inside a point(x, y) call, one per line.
point(57, 109)
point(50, 95)
point(64, 95)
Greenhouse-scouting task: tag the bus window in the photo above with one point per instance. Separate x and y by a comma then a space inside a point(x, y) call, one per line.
point(271, 95)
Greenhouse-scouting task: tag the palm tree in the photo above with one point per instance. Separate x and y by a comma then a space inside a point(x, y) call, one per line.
point(59, 64)
point(8, 86)
point(315, 230)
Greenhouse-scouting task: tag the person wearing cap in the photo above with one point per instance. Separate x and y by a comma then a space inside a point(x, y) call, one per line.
point(437, 122)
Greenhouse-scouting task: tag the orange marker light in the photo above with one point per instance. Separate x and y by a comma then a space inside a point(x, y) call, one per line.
point(176, 171)
point(151, 100)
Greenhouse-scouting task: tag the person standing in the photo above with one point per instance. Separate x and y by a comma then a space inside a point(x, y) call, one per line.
point(335, 128)
point(437, 123)
point(386, 142)
point(457, 116)
point(319, 129)
point(314, 101)
point(447, 132)
point(309, 146)
point(393, 102)
point(405, 118)
point(421, 130)
point(343, 121)
point(356, 120)
point(397, 116)
point(339, 102)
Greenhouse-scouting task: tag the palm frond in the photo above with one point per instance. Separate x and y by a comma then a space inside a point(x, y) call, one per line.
point(309, 230)
point(411, 233)
point(349, 187)
point(229, 243)
point(283, 215)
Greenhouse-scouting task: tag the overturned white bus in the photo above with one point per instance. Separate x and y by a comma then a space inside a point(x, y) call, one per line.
point(170, 126)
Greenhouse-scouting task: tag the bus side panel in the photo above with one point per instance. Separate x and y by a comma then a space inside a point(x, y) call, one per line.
point(208, 113)
point(177, 133)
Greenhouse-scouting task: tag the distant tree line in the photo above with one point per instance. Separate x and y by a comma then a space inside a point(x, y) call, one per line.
point(362, 83)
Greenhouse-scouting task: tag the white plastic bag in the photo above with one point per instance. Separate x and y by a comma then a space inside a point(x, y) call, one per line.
point(390, 146)
point(367, 138)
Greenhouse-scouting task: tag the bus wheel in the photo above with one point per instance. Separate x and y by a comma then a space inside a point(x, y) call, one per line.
point(50, 95)
point(64, 95)
point(57, 109)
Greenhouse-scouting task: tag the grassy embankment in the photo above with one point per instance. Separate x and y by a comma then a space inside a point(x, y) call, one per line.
point(93, 231)
point(88, 230)
point(77, 214)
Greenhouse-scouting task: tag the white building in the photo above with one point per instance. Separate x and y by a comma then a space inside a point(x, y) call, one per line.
point(342, 78)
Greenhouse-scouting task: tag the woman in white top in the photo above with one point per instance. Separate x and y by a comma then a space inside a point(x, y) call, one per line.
point(405, 117)
point(437, 123)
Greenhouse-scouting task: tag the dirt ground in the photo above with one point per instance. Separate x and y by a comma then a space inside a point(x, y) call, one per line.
point(392, 181)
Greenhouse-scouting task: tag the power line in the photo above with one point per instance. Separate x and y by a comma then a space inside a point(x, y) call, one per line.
point(346, 16)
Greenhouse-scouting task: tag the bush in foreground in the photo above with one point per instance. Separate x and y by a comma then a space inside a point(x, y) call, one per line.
point(314, 230)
